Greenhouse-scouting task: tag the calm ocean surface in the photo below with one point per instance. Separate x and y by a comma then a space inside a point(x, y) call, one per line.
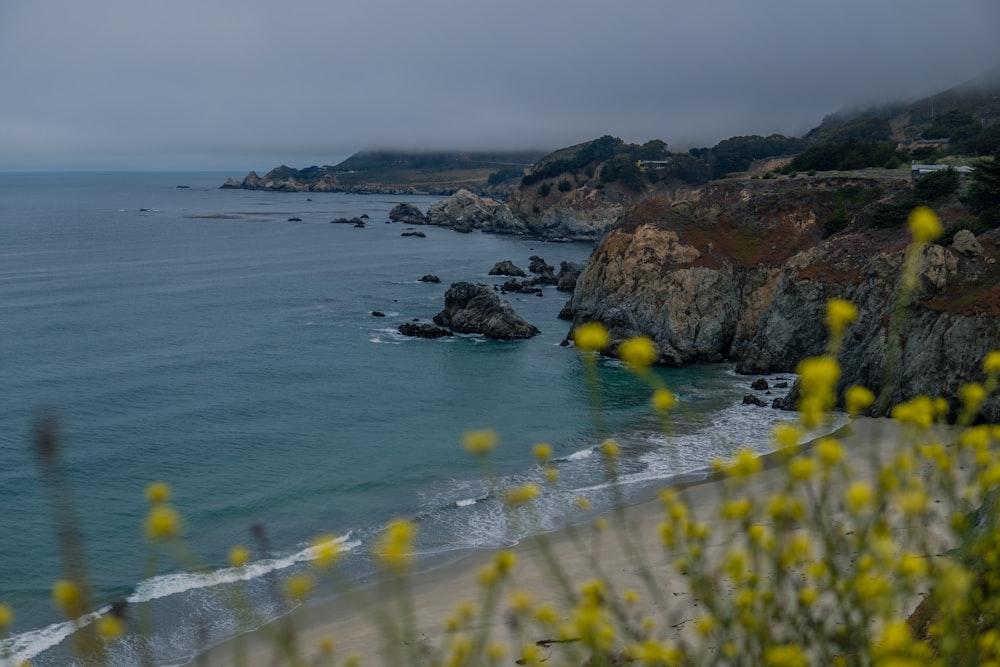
point(209, 342)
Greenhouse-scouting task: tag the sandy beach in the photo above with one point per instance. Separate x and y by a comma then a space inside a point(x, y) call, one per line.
point(578, 550)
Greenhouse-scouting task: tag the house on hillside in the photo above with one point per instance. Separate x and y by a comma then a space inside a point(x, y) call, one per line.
point(918, 170)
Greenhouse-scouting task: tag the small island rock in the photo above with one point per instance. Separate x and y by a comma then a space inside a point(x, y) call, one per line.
point(408, 214)
point(476, 308)
point(507, 268)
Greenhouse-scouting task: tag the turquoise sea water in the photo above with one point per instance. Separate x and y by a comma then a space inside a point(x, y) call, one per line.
point(209, 342)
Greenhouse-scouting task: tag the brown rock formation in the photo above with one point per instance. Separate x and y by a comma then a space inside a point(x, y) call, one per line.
point(740, 271)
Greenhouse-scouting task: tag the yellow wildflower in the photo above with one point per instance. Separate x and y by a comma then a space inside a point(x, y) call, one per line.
point(519, 495)
point(591, 336)
point(746, 462)
point(326, 645)
point(663, 400)
point(830, 452)
point(705, 624)
point(162, 523)
point(505, 561)
point(326, 550)
point(238, 556)
point(797, 549)
point(298, 586)
point(991, 364)
point(158, 492)
point(786, 655)
point(839, 315)
point(546, 614)
point(68, 597)
point(530, 655)
point(808, 596)
point(736, 509)
point(551, 475)
point(480, 442)
point(6, 615)
point(611, 449)
point(638, 353)
point(785, 507)
point(857, 399)
point(394, 548)
point(787, 435)
point(521, 601)
point(919, 412)
point(495, 651)
point(110, 627)
point(859, 497)
point(924, 225)
point(913, 565)
point(913, 502)
point(818, 375)
point(543, 452)
point(972, 395)
point(761, 536)
point(801, 468)
point(487, 576)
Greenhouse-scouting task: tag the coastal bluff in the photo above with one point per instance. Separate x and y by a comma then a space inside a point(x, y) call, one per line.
point(741, 271)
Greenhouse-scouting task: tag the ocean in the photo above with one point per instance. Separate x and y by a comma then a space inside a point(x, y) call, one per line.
point(197, 336)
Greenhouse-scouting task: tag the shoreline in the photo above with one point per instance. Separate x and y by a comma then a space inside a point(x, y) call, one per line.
point(437, 591)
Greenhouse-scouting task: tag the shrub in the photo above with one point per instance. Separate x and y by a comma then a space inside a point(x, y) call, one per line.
point(936, 185)
point(544, 189)
point(565, 186)
point(835, 222)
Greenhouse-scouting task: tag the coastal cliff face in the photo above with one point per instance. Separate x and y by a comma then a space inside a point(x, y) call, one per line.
point(580, 213)
point(741, 271)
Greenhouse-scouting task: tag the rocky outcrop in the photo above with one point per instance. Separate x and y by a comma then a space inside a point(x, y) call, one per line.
point(507, 268)
point(476, 308)
point(408, 214)
point(466, 211)
point(741, 271)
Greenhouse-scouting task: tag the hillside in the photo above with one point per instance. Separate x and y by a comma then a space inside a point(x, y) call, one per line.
point(441, 172)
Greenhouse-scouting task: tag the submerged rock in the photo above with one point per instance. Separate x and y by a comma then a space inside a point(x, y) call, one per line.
point(423, 330)
point(476, 308)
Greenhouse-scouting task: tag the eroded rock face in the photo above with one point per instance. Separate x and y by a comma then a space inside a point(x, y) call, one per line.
point(583, 214)
point(476, 308)
point(965, 243)
point(466, 211)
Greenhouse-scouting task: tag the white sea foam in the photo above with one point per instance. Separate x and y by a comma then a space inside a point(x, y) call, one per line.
point(465, 502)
point(581, 454)
point(26, 645)
point(172, 584)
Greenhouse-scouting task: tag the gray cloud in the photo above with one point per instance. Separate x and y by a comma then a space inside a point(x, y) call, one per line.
point(249, 84)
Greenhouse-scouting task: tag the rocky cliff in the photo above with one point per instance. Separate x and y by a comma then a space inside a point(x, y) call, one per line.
point(741, 271)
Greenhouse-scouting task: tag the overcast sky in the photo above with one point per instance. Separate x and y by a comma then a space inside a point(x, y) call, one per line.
point(241, 85)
